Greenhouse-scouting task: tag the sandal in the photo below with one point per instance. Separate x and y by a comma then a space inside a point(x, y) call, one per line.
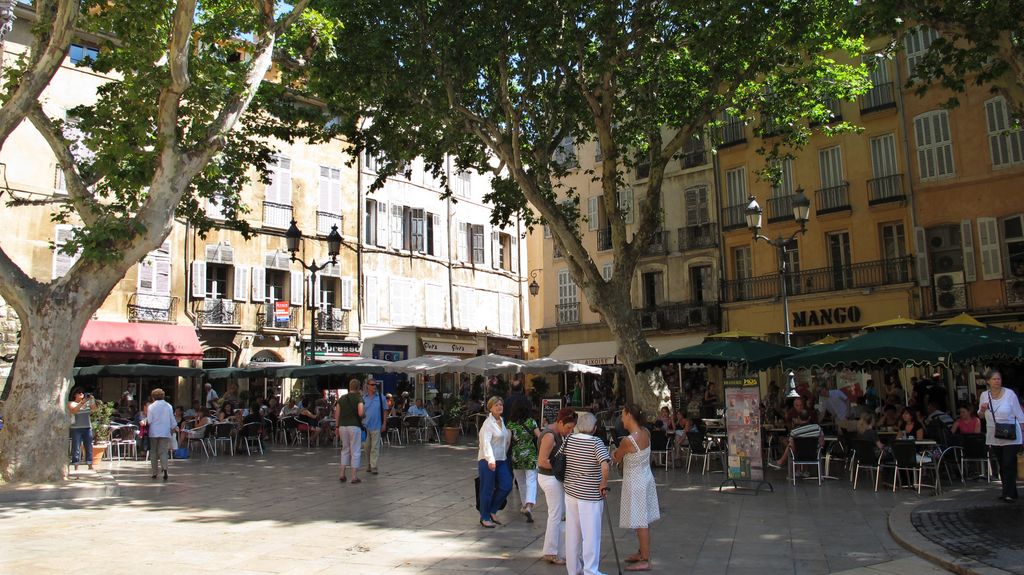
point(554, 560)
point(635, 558)
point(495, 520)
point(642, 565)
point(487, 524)
point(342, 479)
point(357, 480)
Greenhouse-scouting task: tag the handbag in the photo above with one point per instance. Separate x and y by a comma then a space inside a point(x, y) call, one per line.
point(558, 460)
point(1003, 430)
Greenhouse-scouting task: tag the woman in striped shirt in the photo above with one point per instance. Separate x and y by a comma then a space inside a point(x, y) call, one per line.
point(586, 482)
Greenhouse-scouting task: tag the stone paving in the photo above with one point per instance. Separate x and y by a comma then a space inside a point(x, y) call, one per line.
point(286, 512)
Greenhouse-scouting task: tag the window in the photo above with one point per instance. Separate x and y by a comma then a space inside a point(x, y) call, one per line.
point(1005, 141)
point(461, 184)
point(883, 156)
point(593, 217)
point(606, 272)
point(934, 145)
point(568, 309)
point(329, 213)
point(370, 223)
point(370, 161)
point(60, 185)
point(643, 166)
point(736, 186)
point(693, 152)
point(793, 267)
point(436, 302)
point(504, 256)
point(731, 131)
point(62, 262)
point(742, 271)
point(372, 301)
point(652, 284)
point(598, 156)
point(894, 249)
point(418, 232)
point(830, 163)
point(918, 41)
point(215, 207)
point(216, 280)
point(405, 298)
point(840, 259)
point(625, 198)
point(277, 205)
point(696, 201)
point(880, 95)
point(1013, 239)
point(785, 185)
point(399, 240)
point(81, 54)
point(476, 242)
point(155, 271)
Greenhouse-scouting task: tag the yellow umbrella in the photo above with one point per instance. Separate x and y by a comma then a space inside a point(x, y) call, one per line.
point(739, 334)
point(898, 321)
point(963, 319)
point(827, 340)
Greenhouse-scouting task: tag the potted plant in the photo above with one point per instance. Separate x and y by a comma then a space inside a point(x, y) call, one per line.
point(99, 419)
point(452, 421)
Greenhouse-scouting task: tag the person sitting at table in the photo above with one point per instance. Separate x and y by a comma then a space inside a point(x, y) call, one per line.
point(968, 422)
point(309, 419)
point(866, 429)
point(198, 429)
point(773, 402)
point(909, 427)
point(192, 411)
point(802, 422)
point(290, 409)
point(937, 415)
point(890, 418)
point(417, 410)
point(665, 417)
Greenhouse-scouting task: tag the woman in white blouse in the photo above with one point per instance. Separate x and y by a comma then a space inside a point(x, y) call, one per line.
point(1000, 405)
point(495, 472)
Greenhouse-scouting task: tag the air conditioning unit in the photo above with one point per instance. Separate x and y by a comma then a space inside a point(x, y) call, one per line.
point(1015, 292)
point(950, 291)
point(948, 261)
point(648, 320)
point(943, 238)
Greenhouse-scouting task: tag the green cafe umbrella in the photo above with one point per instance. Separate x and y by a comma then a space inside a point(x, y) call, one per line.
point(755, 353)
point(219, 373)
point(137, 370)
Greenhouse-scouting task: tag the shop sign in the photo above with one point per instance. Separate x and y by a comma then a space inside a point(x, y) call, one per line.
point(446, 347)
point(328, 349)
point(827, 316)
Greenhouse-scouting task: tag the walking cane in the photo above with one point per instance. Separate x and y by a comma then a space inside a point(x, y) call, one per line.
point(611, 531)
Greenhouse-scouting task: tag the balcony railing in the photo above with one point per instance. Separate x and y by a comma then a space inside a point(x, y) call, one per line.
point(277, 215)
point(832, 199)
point(698, 237)
point(835, 112)
point(886, 189)
point(832, 278)
point(216, 311)
point(734, 217)
point(658, 245)
point(567, 313)
point(324, 221)
point(732, 133)
point(604, 239)
point(143, 307)
point(332, 320)
point(679, 315)
point(1013, 289)
point(693, 159)
point(780, 208)
point(267, 317)
point(878, 98)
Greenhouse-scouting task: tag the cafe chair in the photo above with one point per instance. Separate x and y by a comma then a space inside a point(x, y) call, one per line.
point(804, 452)
point(201, 436)
point(413, 425)
point(661, 448)
point(250, 434)
point(946, 461)
point(700, 448)
point(904, 458)
point(975, 452)
point(394, 430)
point(222, 433)
point(866, 456)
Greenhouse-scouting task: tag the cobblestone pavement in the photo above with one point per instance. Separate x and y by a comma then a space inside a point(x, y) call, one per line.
point(975, 525)
point(286, 512)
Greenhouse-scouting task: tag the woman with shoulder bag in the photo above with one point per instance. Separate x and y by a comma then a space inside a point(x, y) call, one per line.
point(551, 441)
point(1004, 426)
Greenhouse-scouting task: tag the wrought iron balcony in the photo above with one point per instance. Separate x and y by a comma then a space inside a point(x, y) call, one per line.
point(832, 278)
point(732, 133)
point(886, 189)
point(267, 317)
point(693, 159)
point(567, 313)
point(698, 237)
point(679, 315)
point(880, 97)
point(832, 199)
point(949, 293)
point(604, 239)
point(151, 308)
point(835, 112)
point(218, 312)
point(277, 215)
point(780, 208)
point(658, 245)
point(734, 217)
point(332, 320)
point(324, 221)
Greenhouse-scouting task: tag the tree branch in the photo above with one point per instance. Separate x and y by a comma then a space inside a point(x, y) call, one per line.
point(78, 192)
point(18, 288)
point(286, 21)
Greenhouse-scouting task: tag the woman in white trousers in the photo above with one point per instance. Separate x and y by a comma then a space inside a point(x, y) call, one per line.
point(550, 444)
point(586, 483)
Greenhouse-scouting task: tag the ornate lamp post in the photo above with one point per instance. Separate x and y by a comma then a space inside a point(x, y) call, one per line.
point(534, 287)
point(293, 237)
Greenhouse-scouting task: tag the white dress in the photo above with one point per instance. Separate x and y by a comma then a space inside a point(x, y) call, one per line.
point(639, 504)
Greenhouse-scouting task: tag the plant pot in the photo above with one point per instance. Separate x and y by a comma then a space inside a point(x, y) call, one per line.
point(451, 435)
point(99, 449)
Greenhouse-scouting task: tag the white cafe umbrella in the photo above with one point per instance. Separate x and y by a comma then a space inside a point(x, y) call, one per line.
point(486, 365)
point(423, 363)
point(550, 365)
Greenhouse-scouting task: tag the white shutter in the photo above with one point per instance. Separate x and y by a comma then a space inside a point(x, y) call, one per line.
point(439, 236)
point(514, 253)
point(592, 213)
point(547, 231)
point(259, 284)
point(382, 224)
point(198, 279)
point(347, 285)
point(626, 204)
point(241, 285)
point(967, 236)
point(606, 272)
point(923, 277)
point(988, 242)
point(62, 262)
point(463, 241)
point(316, 292)
point(495, 250)
point(297, 284)
point(162, 279)
point(372, 300)
point(397, 226)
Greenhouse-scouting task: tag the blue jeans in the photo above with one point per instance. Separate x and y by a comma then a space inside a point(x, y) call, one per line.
point(494, 487)
point(80, 435)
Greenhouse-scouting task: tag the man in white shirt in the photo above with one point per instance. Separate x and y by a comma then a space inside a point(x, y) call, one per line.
point(160, 417)
point(835, 402)
point(211, 397)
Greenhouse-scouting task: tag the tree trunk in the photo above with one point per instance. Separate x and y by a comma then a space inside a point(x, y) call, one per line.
point(648, 390)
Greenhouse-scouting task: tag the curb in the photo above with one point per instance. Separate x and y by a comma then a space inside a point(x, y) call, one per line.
point(903, 532)
point(104, 485)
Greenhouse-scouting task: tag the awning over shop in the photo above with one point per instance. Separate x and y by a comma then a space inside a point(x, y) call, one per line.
point(145, 341)
point(593, 353)
point(448, 343)
point(234, 373)
point(665, 344)
point(137, 370)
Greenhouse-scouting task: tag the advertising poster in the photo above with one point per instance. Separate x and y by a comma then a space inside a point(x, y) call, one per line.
point(743, 427)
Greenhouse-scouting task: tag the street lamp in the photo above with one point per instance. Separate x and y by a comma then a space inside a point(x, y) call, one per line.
point(534, 287)
point(292, 237)
point(801, 213)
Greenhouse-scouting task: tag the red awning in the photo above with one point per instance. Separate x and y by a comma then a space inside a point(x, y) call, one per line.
point(123, 341)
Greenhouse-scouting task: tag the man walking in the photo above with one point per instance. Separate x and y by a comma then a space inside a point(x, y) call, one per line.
point(374, 422)
point(348, 413)
point(161, 424)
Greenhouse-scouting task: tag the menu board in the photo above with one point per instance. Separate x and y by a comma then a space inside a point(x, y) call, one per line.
point(743, 427)
point(549, 409)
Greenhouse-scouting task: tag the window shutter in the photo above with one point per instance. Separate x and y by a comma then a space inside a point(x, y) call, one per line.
point(382, 224)
point(923, 277)
point(463, 241)
point(60, 185)
point(297, 284)
point(347, 286)
point(198, 279)
point(439, 236)
point(495, 250)
point(259, 284)
point(991, 258)
point(241, 275)
point(514, 253)
point(967, 235)
point(626, 204)
point(315, 293)
point(547, 231)
point(162, 279)
point(592, 213)
point(372, 300)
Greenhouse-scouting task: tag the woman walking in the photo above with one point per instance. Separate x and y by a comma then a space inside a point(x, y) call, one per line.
point(348, 412)
point(525, 434)
point(1001, 406)
point(586, 483)
point(550, 445)
point(639, 503)
point(492, 465)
